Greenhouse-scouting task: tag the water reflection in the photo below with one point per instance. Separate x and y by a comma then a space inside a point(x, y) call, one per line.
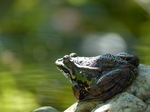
point(13, 98)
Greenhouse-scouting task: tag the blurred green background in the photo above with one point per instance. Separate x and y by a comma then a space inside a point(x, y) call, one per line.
point(34, 33)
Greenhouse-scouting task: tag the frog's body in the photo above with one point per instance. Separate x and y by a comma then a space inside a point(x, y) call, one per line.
point(100, 77)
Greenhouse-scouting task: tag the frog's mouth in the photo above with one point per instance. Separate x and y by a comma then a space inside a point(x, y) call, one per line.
point(64, 70)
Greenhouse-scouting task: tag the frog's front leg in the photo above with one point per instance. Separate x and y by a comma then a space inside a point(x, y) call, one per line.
point(79, 92)
point(110, 84)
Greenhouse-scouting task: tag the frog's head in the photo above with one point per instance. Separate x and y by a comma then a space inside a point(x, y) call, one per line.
point(66, 65)
point(78, 68)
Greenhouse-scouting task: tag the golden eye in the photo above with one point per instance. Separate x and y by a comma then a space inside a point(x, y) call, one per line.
point(66, 58)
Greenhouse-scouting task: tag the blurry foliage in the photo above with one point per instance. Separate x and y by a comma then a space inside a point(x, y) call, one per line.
point(34, 33)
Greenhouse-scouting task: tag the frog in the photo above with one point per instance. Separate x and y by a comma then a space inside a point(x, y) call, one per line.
point(101, 77)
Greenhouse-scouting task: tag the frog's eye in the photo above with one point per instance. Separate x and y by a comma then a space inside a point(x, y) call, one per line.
point(73, 55)
point(66, 58)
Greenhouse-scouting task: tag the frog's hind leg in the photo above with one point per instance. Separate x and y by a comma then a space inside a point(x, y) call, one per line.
point(111, 84)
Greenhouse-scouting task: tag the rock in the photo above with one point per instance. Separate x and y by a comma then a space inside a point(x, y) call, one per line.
point(46, 109)
point(124, 102)
point(82, 107)
point(141, 86)
point(136, 98)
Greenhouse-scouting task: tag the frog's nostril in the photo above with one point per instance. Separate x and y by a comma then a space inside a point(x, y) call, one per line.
point(59, 59)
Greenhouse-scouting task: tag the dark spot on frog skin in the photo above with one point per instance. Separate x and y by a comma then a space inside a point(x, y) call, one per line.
point(100, 77)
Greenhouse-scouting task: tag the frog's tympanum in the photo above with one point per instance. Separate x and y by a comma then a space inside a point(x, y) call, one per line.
point(100, 77)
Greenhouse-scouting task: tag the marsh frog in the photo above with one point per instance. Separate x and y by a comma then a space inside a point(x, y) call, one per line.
point(100, 77)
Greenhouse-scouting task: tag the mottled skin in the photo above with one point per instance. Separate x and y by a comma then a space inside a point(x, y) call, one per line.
point(100, 77)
